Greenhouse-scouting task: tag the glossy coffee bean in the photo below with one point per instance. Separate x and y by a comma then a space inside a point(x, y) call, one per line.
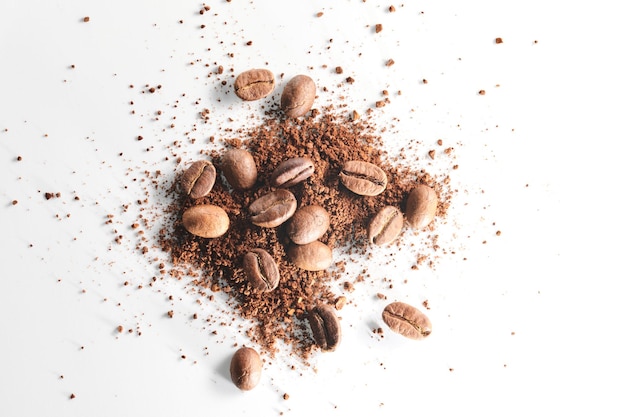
point(407, 320)
point(239, 168)
point(307, 224)
point(254, 84)
point(245, 368)
point(206, 220)
point(198, 180)
point(363, 178)
point(298, 95)
point(273, 209)
point(291, 172)
point(386, 226)
point(261, 270)
point(421, 206)
point(325, 327)
point(314, 256)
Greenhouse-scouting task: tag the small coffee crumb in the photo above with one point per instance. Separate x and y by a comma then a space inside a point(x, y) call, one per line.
point(285, 396)
point(72, 396)
point(498, 233)
point(392, 9)
point(14, 202)
point(319, 14)
point(431, 153)
point(390, 62)
point(424, 81)
point(170, 313)
point(379, 27)
point(482, 92)
point(498, 40)
point(86, 19)
point(120, 328)
point(339, 70)
point(249, 43)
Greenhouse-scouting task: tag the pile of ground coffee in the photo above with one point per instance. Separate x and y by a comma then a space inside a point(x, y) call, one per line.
point(330, 138)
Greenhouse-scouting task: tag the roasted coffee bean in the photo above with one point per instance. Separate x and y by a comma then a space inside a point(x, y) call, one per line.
point(245, 368)
point(407, 320)
point(254, 84)
point(273, 209)
point(314, 256)
point(291, 172)
point(307, 224)
point(386, 226)
point(421, 206)
point(239, 168)
point(298, 96)
point(363, 178)
point(261, 270)
point(206, 220)
point(325, 327)
point(198, 180)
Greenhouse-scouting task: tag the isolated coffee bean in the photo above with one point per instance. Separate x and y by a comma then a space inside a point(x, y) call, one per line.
point(407, 320)
point(325, 327)
point(198, 180)
point(273, 209)
point(206, 220)
point(307, 224)
point(386, 226)
point(291, 172)
point(254, 84)
point(314, 256)
point(261, 270)
point(239, 168)
point(245, 368)
point(363, 178)
point(298, 95)
point(421, 206)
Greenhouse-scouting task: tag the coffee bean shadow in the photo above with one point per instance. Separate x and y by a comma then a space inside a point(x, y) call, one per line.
point(223, 368)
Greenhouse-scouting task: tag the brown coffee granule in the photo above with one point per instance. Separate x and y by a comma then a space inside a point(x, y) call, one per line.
point(378, 28)
point(339, 70)
point(499, 40)
point(319, 14)
point(482, 92)
point(390, 62)
point(86, 19)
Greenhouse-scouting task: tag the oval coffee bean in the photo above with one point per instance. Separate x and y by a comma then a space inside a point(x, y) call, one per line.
point(291, 172)
point(308, 224)
point(314, 256)
point(273, 209)
point(198, 180)
point(254, 84)
point(386, 226)
point(421, 206)
point(325, 327)
point(407, 320)
point(363, 178)
point(298, 96)
point(245, 368)
point(239, 168)
point(206, 220)
point(261, 270)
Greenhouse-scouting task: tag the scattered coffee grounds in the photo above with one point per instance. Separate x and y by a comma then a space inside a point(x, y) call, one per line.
point(329, 138)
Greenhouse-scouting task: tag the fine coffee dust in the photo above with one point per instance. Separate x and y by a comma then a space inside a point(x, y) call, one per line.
point(329, 137)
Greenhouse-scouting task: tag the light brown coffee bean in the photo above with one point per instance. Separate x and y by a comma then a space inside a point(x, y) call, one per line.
point(386, 226)
point(245, 368)
point(325, 327)
point(292, 171)
point(206, 220)
point(363, 178)
point(314, 256)
point(198, 180)
point(273, 209)
point(307, 224)
point(239, 168)
point(407, 320)
point(298, 96)
point(254, 84)
point(421, 206)
point(261, 270)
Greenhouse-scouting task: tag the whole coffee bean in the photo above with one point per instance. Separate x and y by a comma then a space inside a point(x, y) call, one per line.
point(254, 84)
point(273, 209)
point(386, 226)
point(325, 327)
point(261, 270)
point(298, 96)
point(206, 220)
point(307, 224)
point(407, 320)
point(245, 368)
point(291, 172)
point(421, 206)
point(363, 178)
point(239, 168)
point(198, 180)
point(314, 256)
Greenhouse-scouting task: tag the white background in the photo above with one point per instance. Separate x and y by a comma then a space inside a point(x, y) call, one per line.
point(530, 323)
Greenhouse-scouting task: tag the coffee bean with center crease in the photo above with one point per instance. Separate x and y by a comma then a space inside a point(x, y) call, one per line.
point(245, 368)
point(291, 172)
point(386, 226)
point(239, 168)
point(421, 206)
point(198, 180)
point(363, 178)
point(407, 320)
point(307, 224)
point(261, 270)
point(206, 220)
point(273, 209)
point(298, 95)
point(314, 256)
point(325, 327)
point(254, 84)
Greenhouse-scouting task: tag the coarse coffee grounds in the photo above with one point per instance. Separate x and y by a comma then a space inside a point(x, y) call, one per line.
point(329, 137)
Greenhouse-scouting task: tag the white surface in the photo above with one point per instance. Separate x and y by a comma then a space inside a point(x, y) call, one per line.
point(540, 156)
